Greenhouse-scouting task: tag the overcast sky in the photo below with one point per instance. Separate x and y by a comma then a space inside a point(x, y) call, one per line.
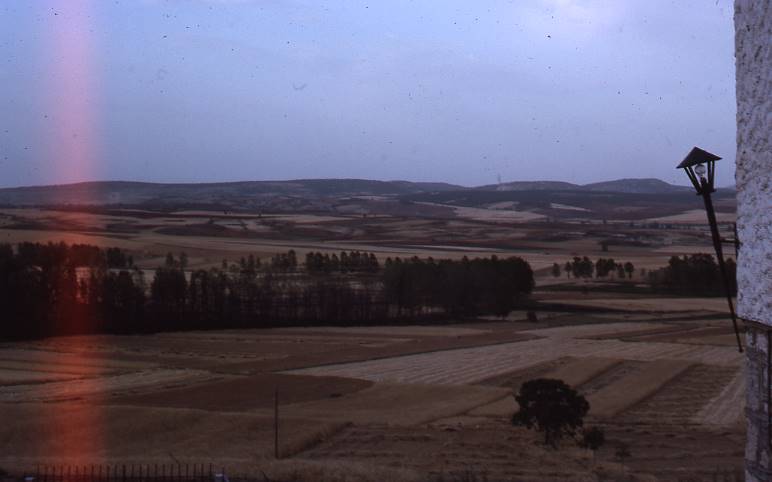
point(445, 90)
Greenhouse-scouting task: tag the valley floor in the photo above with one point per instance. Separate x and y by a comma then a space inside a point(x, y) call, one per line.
point(384, 403)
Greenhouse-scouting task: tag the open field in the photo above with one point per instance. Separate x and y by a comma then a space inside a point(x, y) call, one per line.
point(209, 236)
point(420, 399)
point(392, 402)
point(653, 304)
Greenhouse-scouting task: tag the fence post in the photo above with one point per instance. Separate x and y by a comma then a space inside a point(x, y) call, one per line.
point(276, 423)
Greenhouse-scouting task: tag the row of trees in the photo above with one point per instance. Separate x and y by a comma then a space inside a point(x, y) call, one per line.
point(602, 268)
point(47, 255)
point(467, 287)
point(55, 288)
point(696, 274)
point(354, 261)
point(60, 289)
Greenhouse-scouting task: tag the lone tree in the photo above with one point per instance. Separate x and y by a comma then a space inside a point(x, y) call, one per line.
point(629, 269)
point(593, 438)
point(552, 407)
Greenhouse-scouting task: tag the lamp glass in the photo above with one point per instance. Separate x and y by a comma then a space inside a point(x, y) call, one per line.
point(700, 170)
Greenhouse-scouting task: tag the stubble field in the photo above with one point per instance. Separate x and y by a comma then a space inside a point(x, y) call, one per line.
point(410, 400)
point(385, 402)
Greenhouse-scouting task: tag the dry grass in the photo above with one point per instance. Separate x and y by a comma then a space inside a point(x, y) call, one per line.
point(300, 470)
point(202, 396)
point(695, 216)
point(575, 372)
point(245, 393)
point(99, 387)
point(398, 404)
point(14, 377)
point(633, 387)
point(146, 409)
point(652, 304)
point(727, 408)
point(79, 434)
point(578, 372)
point(472, 365)
point(396, 331)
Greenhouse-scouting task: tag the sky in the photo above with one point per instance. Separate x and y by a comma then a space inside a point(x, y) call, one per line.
point(467, 92)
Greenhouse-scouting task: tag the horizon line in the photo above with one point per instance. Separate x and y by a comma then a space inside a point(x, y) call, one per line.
point(105, 181)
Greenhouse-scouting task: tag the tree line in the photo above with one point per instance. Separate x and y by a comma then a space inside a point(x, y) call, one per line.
point(696, 274)
point(467, 287)
point(323, 263)
point(52, 289)
point(602, 268)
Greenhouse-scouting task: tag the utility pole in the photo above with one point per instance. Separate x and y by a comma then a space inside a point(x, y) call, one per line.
point(276, 423)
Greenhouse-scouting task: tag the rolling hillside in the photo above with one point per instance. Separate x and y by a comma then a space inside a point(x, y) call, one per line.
point(620, 199)
point(132, 193)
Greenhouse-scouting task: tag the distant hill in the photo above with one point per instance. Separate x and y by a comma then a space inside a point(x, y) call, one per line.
point(636, 186)
point(300, 193)
point(530, 186)
point(120, 192)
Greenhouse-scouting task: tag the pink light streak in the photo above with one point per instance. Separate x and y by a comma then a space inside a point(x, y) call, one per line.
point(73, 97)
point(73, 145)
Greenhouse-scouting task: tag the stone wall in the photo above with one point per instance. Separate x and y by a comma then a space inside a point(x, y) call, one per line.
point(753, 55)
point(757, 447)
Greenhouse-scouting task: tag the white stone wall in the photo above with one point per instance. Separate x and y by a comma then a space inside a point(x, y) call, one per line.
point(753, 57)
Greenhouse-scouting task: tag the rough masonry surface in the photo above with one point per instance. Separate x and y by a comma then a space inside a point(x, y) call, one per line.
point(753, 57)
